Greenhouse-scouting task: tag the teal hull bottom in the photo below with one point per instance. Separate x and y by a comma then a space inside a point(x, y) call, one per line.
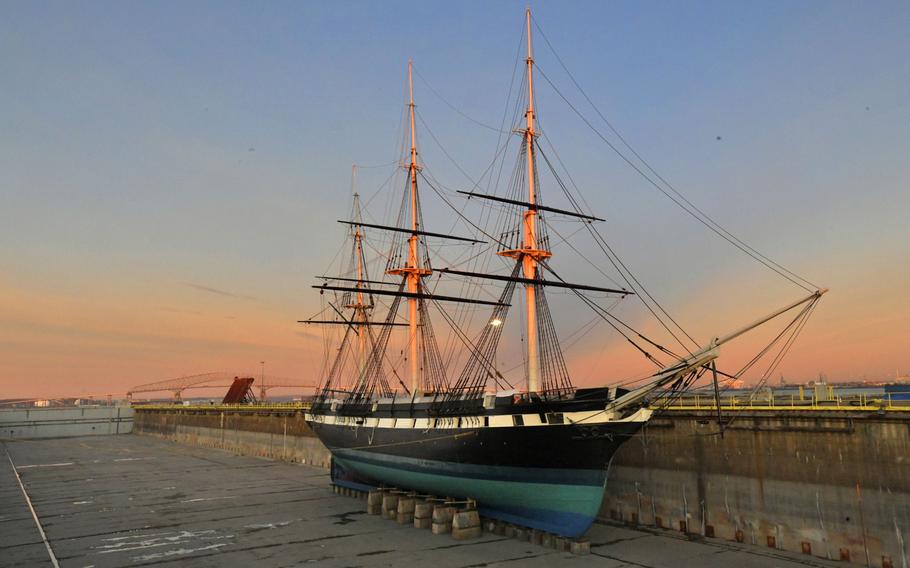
point(560, 501)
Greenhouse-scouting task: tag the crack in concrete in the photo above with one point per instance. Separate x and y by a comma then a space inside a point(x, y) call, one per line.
point(375, 552)
point(623, 560)
point(614, 541)
point(474, 543)
point(505, 560)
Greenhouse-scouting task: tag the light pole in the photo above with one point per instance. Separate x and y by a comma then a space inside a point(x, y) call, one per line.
point(262, 382)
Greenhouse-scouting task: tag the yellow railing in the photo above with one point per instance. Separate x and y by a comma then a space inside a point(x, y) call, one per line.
point(265, 406)
point(860, 403)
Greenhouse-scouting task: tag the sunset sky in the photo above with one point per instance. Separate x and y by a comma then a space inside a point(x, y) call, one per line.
point(171, 172)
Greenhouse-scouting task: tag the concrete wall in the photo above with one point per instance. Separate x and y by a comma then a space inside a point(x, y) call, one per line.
point(835, 482)
point(830, 484)
point(283, 436)
point(65, 422)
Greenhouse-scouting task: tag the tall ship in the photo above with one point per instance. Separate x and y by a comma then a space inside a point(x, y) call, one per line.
point(396, 408)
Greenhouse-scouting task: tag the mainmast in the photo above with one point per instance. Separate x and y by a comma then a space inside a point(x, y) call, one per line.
point(530, 254)
point(412, 270)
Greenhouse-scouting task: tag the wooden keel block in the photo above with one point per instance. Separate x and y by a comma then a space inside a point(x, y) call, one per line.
point(466, 520)
point(548, 540)
point(580, 547)
point(424, 523)
point(441, 528)
point(443, 514)
point(389, 506)
point(406, 505)
point(375, 498)
point(423, 510)
point(466, 533)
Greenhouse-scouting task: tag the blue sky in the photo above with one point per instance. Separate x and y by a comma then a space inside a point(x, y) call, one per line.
point(148, 147)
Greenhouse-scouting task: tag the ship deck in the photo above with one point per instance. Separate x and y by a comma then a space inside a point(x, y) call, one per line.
point(136, 500)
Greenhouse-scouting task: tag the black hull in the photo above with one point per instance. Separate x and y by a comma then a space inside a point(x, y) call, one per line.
point(549, 477)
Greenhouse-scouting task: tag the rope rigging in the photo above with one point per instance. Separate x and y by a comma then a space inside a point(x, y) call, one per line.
point(517, 223)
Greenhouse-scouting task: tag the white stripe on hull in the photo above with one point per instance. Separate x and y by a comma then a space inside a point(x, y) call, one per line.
point(477, 421)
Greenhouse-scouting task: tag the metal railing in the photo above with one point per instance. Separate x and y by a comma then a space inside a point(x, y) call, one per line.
point(793, 402)
point(259, 406)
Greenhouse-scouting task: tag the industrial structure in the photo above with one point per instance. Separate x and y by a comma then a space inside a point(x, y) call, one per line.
point(220, 380)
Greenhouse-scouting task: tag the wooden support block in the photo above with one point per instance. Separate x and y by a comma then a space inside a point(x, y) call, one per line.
point(423, 510)
point(443, 514)
point(405, 513)
point(441, 528)
point(424, 523)
point(467, 532)
point(580, 547)
point(548, 540)
point(466, 520)
point(406, 505)
point(375, 498)
point(389, 506)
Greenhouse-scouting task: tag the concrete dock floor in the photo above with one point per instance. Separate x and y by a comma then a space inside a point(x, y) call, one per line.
point(134, 501)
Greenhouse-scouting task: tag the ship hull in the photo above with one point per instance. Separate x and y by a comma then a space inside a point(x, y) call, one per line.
point(551, 477)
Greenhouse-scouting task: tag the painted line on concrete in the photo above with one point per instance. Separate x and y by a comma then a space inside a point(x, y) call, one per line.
point(61, 464)
point(47, 544)
point(207, 499)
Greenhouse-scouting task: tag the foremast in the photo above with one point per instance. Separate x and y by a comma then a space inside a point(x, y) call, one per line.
point(360, 307)
point(412, 271)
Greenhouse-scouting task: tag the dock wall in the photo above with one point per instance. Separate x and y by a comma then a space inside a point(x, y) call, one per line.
point(831, 484)
point(279, 435)
point(18, 423)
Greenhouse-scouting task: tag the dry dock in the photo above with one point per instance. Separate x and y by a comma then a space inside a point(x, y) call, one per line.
point(829, 481)
point(137, 501)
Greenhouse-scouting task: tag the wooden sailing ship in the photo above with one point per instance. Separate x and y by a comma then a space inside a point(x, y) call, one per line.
point(536, 455)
